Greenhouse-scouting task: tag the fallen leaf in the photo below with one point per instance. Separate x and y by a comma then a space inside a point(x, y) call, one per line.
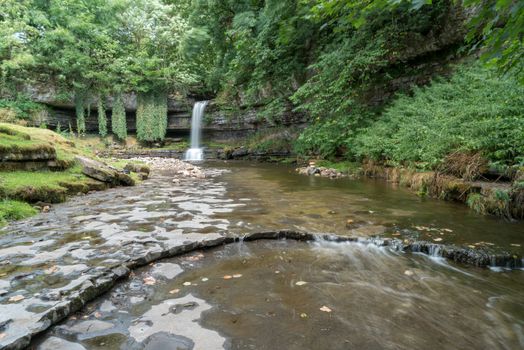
point(16, 298)
point(51, 270)
point(149, 280)
point(325, 309)
point(237, 275)
point(303, 315)
point(228, 277)
point(195, 257)
point(408, 273)
point(187, 283)
point(174, 291)
point(437, 239)
point(301, 283)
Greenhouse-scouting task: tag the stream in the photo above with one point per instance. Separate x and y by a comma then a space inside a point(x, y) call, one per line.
point(370, 296)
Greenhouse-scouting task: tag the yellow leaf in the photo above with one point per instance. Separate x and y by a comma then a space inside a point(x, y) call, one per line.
point(16, 298)
point(149, 281)
point(325, 309)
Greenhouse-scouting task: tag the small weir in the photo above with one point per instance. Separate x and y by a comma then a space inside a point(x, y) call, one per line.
point(196, 153)
point(287, 294)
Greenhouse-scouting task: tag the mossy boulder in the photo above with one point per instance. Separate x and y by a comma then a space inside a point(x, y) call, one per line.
point(105, 173)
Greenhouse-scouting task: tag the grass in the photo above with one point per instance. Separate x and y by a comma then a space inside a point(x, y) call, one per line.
point(45, 186)
point(26, 138)
point(342, 166)
point(14, 210)
point(18, 188)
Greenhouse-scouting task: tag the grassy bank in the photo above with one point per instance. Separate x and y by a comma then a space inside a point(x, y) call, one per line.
point(54, 173)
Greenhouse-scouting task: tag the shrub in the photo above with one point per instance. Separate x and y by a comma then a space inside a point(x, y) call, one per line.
point(473, 112)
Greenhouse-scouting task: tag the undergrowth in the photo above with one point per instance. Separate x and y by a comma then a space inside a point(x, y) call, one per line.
point(14, 210)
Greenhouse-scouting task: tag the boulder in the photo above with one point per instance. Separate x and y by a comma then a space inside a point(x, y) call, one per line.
point(103, 172)
point(137, 168)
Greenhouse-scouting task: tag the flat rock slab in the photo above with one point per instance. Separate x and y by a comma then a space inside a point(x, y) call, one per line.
point(55, 343)
point(53, 263)
point(166, 270)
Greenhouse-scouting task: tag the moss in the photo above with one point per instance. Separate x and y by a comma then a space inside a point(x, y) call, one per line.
point(44, 186)
point(14, 210)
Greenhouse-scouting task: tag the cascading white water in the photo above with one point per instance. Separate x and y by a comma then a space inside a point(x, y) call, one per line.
point(196, 153)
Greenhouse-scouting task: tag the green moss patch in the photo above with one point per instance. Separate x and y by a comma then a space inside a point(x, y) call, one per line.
point(14, 210)
point(46, 186)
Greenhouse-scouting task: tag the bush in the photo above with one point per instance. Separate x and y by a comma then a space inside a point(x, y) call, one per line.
point(474, 111)
point(19, 109)
point(331, 137)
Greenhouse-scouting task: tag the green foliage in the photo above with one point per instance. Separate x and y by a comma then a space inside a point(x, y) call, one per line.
point(498, 27)
point(14, 210)
point(94, 46)
point(102, 119)
point(118, 118)
point(151, 117)
point(23, 107)
point(258, 49)
point(474, 111)
point(331, 137)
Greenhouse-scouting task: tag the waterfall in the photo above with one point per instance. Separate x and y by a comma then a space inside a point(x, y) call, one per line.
point(195, 153)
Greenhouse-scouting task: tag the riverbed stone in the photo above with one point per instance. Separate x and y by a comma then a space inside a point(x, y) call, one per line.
point(55, 343)
point(89, 326)
point(164, 341)
point(166, 270)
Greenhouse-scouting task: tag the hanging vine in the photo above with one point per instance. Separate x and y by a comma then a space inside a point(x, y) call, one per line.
point(118, 118)
point(151, 117)
point(102, 118)
point(80, 102)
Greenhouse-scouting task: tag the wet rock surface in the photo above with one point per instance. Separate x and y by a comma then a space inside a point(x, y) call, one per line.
point(52, 264)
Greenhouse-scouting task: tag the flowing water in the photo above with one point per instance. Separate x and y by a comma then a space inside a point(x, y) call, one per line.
point(196, 153)
point(292, 295)
point(379, 298)
point(275, 197)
